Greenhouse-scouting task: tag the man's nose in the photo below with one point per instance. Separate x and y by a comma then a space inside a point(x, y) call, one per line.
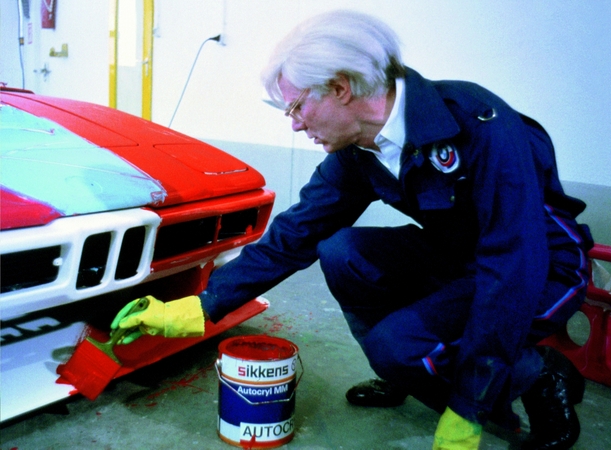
point(297, 125)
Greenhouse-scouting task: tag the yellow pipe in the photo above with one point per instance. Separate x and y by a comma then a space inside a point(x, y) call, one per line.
point(112, 52)
point(147, 58)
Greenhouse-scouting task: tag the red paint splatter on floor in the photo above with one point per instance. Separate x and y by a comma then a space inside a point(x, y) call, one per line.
point(187, 382)
point(276, 326)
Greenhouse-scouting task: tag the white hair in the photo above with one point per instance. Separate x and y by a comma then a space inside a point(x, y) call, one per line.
point(356, 45)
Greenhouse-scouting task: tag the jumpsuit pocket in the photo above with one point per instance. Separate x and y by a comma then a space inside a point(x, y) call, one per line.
point(439, 198)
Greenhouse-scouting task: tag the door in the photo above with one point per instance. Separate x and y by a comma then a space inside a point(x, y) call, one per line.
point(131, 56)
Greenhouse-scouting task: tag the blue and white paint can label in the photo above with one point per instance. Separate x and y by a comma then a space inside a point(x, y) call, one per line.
point(257, 382)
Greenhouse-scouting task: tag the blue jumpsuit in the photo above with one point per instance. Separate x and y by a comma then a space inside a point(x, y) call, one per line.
point(456, 305)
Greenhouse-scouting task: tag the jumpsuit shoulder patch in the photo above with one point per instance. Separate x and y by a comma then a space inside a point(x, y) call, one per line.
point(444, 157)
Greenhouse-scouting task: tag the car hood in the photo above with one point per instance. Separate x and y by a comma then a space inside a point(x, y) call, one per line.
point(63, 157)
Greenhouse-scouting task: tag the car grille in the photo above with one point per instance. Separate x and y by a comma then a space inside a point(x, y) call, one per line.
point(173, 240)
point(21, 270)
point(29, 268)
point(82, 256)
point(183, 237)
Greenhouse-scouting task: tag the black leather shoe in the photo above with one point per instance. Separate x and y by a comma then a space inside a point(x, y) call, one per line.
point(376, 392)
point(549, 403)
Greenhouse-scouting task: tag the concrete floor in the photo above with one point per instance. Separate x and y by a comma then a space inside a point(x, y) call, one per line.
point(173, 404)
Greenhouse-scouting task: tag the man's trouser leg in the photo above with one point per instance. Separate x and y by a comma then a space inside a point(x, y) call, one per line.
point(408, 318)
point(421, 340)
point(374, 271)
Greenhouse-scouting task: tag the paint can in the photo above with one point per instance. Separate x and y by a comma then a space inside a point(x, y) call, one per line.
point(257, 385)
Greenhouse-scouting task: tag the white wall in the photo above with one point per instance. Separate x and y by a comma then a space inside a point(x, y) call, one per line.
point(82, 25)
point(548, 58)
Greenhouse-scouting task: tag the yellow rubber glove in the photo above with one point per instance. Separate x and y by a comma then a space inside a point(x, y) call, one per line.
point(179, 318)
point(455, 433)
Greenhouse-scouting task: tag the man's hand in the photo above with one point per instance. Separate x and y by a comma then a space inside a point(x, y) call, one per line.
point(455, 433)
point(178, 318)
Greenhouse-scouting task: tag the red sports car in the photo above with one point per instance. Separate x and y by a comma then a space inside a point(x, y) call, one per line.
point(98, 207)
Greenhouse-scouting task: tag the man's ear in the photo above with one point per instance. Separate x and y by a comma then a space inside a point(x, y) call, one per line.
point(341, 89)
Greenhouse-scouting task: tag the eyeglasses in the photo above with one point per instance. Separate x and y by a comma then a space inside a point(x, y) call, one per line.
point(294, 109)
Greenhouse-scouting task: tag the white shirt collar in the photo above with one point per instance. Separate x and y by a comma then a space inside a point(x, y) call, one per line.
point(394, 128)
point(392, 136)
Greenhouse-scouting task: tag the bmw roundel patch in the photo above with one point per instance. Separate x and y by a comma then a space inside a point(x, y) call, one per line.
point(444, 157)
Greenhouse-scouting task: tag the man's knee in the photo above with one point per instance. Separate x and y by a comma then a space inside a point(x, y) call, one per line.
point(341, 254)
point(339, 246)
point(378, 350)
point(403, 344)
point(394, 360)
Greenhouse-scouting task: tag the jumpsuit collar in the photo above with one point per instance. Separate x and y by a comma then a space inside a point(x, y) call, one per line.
point(427, 118)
